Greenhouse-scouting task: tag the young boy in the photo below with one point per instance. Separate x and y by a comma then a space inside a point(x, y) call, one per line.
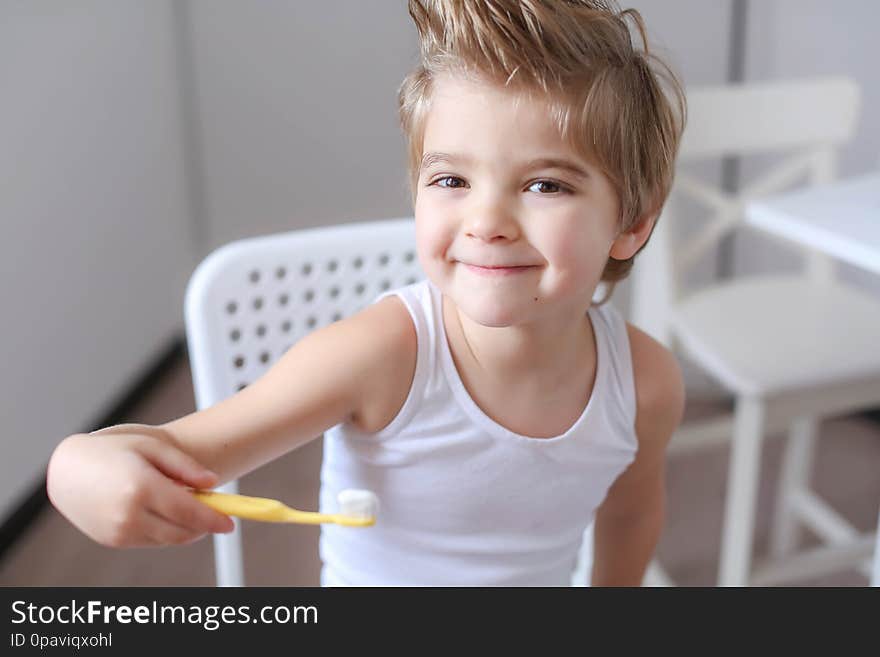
point(493, 408)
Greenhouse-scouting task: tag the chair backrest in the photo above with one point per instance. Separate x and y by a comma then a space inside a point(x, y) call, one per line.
point(804, 120)
point(249, 301)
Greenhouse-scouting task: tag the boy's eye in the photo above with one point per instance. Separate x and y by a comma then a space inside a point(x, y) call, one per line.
point(459, 182)
point(546, 187)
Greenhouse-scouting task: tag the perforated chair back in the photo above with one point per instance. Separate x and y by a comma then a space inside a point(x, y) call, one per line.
point(249, 301)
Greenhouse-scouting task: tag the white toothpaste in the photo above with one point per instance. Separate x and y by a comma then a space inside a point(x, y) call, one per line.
point(358, 503)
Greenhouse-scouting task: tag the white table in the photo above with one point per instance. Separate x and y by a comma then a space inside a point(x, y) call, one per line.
point(841, 219)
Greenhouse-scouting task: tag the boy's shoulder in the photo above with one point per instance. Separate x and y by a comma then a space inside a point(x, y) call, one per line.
point(387, 360)
point(659, 384)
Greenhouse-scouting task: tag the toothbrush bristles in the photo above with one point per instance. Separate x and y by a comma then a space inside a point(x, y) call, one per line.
point(358, 503)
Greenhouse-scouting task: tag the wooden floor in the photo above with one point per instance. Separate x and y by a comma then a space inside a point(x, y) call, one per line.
point(53, 553)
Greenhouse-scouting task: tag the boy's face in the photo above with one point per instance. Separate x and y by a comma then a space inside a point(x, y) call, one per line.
point(485, 199)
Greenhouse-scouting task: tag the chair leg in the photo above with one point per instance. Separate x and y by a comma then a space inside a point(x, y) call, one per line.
point(582, 571)
point(228, 555)
point(875, 571)
point(742, 489)
point(794, 477)
point(656, 576)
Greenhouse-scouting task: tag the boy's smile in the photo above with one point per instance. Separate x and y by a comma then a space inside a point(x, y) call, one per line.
point(500, 270)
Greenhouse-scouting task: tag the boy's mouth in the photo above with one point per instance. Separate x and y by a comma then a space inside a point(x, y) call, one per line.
point(493, 270)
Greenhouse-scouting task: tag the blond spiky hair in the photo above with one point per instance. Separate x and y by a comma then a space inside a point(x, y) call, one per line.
point(617, 105)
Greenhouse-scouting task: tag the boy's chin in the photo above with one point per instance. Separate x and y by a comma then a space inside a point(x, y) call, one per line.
point(493, 313)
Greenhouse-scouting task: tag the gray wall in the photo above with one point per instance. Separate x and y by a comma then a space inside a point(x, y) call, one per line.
point(802, 38)
point(94, 243)
point(297, 112)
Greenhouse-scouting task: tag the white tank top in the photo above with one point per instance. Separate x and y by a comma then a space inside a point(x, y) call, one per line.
point(463, 500)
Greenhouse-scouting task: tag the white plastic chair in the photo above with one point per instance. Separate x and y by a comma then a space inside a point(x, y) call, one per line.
point(792, 349)
point(250, 300)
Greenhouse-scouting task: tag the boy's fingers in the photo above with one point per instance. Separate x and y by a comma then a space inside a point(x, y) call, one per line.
point(179, 506)
point(164, 532)
point(178, 465)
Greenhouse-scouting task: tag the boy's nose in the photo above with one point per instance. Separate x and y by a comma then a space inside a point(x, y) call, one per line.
point(489, 224)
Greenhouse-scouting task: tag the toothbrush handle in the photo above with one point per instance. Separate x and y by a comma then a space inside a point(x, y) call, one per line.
point(268, 510)
point(312, 518)
point(306, 517)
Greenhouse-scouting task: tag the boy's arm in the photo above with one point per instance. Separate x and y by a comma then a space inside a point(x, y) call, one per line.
point(629, 522)
point(336, 374)
point(125, 485)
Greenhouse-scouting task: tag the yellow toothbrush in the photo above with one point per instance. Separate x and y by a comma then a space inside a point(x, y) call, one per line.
point(358, 508)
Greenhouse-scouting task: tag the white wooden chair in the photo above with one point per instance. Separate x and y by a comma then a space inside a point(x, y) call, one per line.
point(249, 301)
point(791, 348)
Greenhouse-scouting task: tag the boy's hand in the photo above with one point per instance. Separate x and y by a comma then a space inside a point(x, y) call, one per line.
point(130, 489)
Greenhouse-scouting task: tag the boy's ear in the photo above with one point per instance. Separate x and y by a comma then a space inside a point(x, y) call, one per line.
point(628, 243)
